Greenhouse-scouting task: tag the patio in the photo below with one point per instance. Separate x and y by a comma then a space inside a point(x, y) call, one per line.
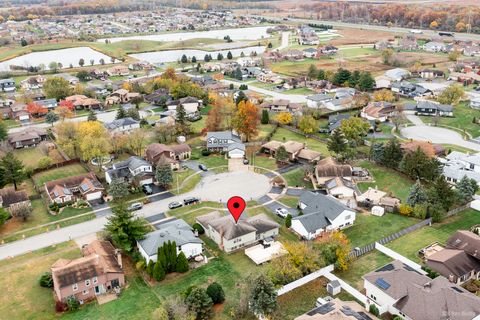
point(259, 254)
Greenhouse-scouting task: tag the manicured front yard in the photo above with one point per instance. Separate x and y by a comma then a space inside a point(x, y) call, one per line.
point(58, 173)
point(284, 135)
point(387, 180)
point(369, 228)
point(180, 182)
point(211, 161)
point(295, 178)
point(409, 244)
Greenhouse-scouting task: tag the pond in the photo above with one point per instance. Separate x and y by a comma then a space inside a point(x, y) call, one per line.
point(175, 55)
point(63, 56)
point(251, 33)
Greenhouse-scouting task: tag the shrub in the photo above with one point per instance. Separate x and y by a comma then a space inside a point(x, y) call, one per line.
point(158, 272)
point(140, 265)
point(215, 292)
point(46, 280)
point(288, 221)
point(182, 263)
point(199, 228)
point(136, 256)
point(60, 306)
point(374, 310)
point(405, 209)
point(73, 304)
point(205, 152)
point(420, 211)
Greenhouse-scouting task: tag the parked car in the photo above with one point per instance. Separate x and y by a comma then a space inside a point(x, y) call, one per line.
point(147, 189)
point(202, 167)
point(245, 161)
point(191, 200)
point(135, 206)
point(282, 212)
point(174, 205)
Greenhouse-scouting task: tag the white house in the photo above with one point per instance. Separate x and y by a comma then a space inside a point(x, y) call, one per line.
point(236, 150)
point(458, 164)
point(475, 103)
point(321, 213)
point(124, 125)
point(317, 101)
point(173, 230)
point(134, 169)
point(397, 74)
point(190, 104)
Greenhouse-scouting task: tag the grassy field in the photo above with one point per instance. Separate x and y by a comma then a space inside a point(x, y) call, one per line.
point(409, 245)
point(387, 180)
point(304, 91)
point(295, 179)
point(289, 201)
point(462, 120)
point(30, 156)
point(58, 173)
point(284, 135)
point(378, 227)
point(185, 185)
point(213, 160)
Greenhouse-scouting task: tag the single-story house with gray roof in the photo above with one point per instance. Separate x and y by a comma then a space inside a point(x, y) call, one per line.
point(173, 230)
point(321, 213)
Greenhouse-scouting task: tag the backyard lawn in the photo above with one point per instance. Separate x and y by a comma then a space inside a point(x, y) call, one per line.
point(295, 178)
point(378, 227)
point(284, 135)
point(58, 173)
point(387, 180)
point(409, 244)
point(30, 156)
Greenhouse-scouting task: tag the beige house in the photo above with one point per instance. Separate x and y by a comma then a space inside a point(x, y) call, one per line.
point(173, 153)
point(296, 151)
point(372, 196)
point(120, 96)
point(85, 186)
point(13, 200)
point(327, 169)
point(99, 271)
point(231, 236)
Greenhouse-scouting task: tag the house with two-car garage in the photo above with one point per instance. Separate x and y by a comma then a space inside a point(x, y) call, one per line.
point(85, 186)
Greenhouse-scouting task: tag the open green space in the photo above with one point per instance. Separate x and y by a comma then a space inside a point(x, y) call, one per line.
point(58, 173)
point(378, 227)
point(386, 179)
point(295, 178)
point(264, 130)
point(211, 161)
point(355, 52)
point(305, 91)
point(198, 125)
point(289, 201)
point(183, 185)
point(283, 134)
point(30, 156)
point(409, 244)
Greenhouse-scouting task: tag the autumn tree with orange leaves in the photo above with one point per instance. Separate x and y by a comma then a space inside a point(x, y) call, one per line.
point(36, 110)
point(65, 109)
point(246, 120)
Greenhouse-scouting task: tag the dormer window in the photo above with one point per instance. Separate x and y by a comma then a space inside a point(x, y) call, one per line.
point(75, 287)
point(87, 282)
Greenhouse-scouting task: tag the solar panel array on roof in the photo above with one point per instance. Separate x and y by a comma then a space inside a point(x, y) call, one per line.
point(457, 289)
point(408, 268)
point(387, 267)
point(382, 284)
point(346, 310)
point(55, 193)
point(323, 309)
point(84, 187)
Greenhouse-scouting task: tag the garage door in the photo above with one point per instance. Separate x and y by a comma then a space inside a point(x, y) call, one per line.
point(94, 195)
point(236, 153)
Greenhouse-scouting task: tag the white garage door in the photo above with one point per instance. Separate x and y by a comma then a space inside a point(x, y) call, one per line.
point(236, 153)
point(94, 195)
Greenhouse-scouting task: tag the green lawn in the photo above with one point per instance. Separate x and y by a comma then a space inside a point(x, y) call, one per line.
point(462, 120)
point(304, 91)
point(387, 180)
point(213, 160)
point(184, 185)
point(199, 125)
point(409, 245)
point(378, 227)
point(30, 156)
point(289, 201)
point(58, 173)
point(355, 52)
point(263, 161)
point(284, 135)
point(264, 131)
point(295, 178)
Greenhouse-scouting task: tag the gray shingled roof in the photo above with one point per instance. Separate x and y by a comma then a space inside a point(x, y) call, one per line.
point(120, 123)
point(177, 231)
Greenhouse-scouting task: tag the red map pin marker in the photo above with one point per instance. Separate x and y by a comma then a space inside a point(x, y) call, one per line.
point(236, 205)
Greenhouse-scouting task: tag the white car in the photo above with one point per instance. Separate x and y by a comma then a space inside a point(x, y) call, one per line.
point(282, 212)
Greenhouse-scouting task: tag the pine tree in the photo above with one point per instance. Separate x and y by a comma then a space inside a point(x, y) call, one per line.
point(321, 74)
point(121, 113)
point(341, 76)
point(366, 81)
point(392, 154)
point(337, 142)
point(265, 117)
point(442, 193)
point(11, 170)
point(281, 154)
point(216, 293)
point(184, 59)
point(288, 221)
point(150, 267)
point(312, 72)
point(238, 74)
point(181, 115)
point(51, 117)
point(182, 263)
point(229, 55)
point(194, 59)
point(158, 272)
point(164, 173)
point(417, 195)
point(263, 297)
point(466, 188)
point(161, 257)
point(376, 152)
point(172, 259)
point(200, 303)
point(118, 189)
point(219, 56)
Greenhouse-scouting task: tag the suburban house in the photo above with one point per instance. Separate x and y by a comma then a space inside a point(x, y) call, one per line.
point(99, 271)
point(173, 230)
point(410, 90)
point(337, 309)
point(48, 104)
point(430, 149)
point(190, 104)
point(372, 196)
point(334, 121)
point(296, 151)
point(85, 186)
point(19, 112)
point(124, 125)
point(458, 164)
point(307, 36)
point(134, 170)
point(317, 101)
point(7, 85)
point(431, 74)
point(72, 80)
point(434, 46)
point(468, 77)
point(310, 52)
point(459, 261)
point(230, 236)
point(475, 102)
point(222, 141)
point(321, 214)
point(81, 101)
point(118, 71)
point(342, 189)
point(401, 290)
point(280, 105)
point(378, 111)
point(397, 74)
point(120, 96)
point(173, 154)
point(12, 200)
point(328, 168)
point(33, 83)
point(429, 108)
point(30, 137)
point(269, 77)
point(327, 50)
point(158, 96)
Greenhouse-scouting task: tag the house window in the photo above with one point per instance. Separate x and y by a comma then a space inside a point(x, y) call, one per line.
point(75, 287)
point(85, 292)
point(373, 297)
point(348, 217)
point(95, 280)
point(87, 282)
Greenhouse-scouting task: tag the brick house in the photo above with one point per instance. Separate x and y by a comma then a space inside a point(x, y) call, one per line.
point(173, 153)
point(85, 186)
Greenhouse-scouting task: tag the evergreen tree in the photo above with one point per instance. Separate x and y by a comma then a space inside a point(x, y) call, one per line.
point(417, 165)
point(215, 292)
point(181, 115)
point(263, 297)
point(118, 189)
point(206, 58)
point(238, 74)
point(164, 173)
point(194, 59)
point(134, 114)
point(337, 142)
point(417, 195)
point(91, 116)
point(312, 72)
point(392, 154)
point(341, 76)
point(172, 257)
point(466, 188)
point(200, 303)
point(281, 154)
point(121, 113)
point(376, 152)
point(321, 74)
point(124, 228)
point(3, 131)
point(366, 81)
point(182, 263)
point(442, 193)
point(11, 170)
point(184, 59)
point(354, 79)
point(51, 117)
point(150, 267)
point(240, 97)
point(219, 56)
point(265, 117)
point(161, 257)
point(288, 221)
point(158, 272)
point(229, 55)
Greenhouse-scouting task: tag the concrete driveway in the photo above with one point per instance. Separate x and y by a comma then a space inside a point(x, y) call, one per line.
point(437, 135)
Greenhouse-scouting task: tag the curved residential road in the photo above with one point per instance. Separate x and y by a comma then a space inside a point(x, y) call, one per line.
point(285, 42)
point(295, 98)
point(107, 116)
point(420, 131)
point(215, 187)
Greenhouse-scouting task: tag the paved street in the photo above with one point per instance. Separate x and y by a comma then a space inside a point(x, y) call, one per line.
point(285, 42)
point(296, 98)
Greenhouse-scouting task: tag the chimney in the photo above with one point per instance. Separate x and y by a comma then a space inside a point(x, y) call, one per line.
point(427, 285)
point(118, 253)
